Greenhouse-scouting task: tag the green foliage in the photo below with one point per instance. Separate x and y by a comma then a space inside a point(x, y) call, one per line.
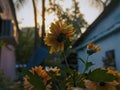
point(58, 81)
point(98, 75)
point(75, 79)
point(71, 15)
point(66, 44)
point(35, 80)
point(25, 47)
point(4, 81)
point(66, 77)
point(88, 65)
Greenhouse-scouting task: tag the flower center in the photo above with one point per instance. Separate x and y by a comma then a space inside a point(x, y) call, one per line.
point(61, 37)
point(102, 83)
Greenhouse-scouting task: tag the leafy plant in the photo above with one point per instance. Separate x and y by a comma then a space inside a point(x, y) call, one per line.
point(65, 78)
point(25, 47)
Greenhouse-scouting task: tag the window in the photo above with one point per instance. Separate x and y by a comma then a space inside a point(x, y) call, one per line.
point(109, 59)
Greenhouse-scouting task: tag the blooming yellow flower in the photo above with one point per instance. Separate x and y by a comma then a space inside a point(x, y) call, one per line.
point(115, 73)
point(102, 85)
point(27, 85)
point(92, 48)
point(59, 33)
point(55, 70)
point(42, 73)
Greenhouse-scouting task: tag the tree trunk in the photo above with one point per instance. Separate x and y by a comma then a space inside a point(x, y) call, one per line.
point(35, 22)
point(43, 23)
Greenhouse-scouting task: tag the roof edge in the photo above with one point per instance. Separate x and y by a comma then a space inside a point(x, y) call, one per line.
point(108, 9)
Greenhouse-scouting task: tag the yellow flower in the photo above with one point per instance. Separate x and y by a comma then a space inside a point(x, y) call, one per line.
point(55, 70)
point(32, 70)
point(59, 33)
point(92, 48)
point(42, 73)
point(102, 85)
point(115, 73)
point(48, 87)
point(27, 85)
point(68, 85)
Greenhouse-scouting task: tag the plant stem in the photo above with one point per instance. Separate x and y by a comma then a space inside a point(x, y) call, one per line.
point(67, 65)
point(64, 56)
point(87, 58)
point(84, 69)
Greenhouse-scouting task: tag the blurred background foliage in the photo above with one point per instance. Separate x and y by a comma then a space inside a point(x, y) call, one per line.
point(71, 15)
point(26, 45)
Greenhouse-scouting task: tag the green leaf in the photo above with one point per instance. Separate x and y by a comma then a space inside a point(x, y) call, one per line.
point(81, 84)
point(88, 65)
point(100, 75)
point(67, 44)
point(35, 80)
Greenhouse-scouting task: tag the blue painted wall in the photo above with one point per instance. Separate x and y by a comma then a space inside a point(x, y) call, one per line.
point(107, 36)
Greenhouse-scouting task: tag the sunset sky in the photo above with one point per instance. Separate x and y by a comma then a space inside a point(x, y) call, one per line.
point(26, 17)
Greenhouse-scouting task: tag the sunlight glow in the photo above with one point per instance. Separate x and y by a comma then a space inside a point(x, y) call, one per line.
point(90, 12)
point(49, 18)
point(26, 17)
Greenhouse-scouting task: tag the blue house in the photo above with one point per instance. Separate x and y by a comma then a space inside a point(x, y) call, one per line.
point(105, 32)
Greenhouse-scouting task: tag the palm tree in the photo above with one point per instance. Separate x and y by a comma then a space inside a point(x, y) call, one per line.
point(35, 22)
point(26, 45)
point(43, 22)
point(20, 3)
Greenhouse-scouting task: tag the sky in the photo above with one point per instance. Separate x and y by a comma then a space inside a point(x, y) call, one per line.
point(26, 18)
